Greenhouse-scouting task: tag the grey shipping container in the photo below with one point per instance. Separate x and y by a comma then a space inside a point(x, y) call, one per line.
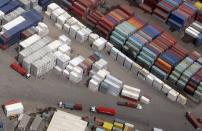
point(36, 123)
point(22, 126)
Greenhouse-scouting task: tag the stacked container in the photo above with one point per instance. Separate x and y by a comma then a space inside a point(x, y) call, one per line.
point(182, 66)
point(124, 30)
point(44, 3)
point(12, 15)
point(81, 8)
point(169, 59)
point(194, 32)
point(44, 65)
point(33, 48)
point(88, 63)
point(28, 32)
point(12, 36)
point(193, 83)
point(165, 7)
point(151, 52)
point(9, 7)
point(94, 17)
point(130, 93)
point(148, 5)
point(138, 40)
point(107, 23)
point(111, 85)
point(182, 17)
point(188, 73)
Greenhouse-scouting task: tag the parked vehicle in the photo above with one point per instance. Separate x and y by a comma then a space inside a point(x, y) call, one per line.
point(70, 106)
point(103, 110)
point(196, 122)
point(131, 104)
point(13, 108)
point(20, 70)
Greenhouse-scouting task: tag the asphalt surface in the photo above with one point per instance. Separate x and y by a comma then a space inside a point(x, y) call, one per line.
point(52, 88)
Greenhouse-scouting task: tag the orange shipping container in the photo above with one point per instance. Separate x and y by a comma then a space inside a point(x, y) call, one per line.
point(163, 65)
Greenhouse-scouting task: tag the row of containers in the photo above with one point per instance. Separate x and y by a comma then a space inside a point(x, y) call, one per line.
point(152, 48)
point(22, 15)
point(176, 13)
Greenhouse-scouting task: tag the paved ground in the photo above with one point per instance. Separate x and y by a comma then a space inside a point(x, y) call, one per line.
point(53, 87)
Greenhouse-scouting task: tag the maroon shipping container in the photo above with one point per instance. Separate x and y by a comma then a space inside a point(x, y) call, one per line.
point(194, 55)
point(78, 107)
point(189, 90)
point(18, 69)
point(127, 9)
point(168, 37)
point(193, 120)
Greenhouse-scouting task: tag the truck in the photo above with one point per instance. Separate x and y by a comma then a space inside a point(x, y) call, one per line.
point(71, 106)
point(196, 122)
point(132, 104)
point(18, 68)
point(103, 110)
point(13, 108)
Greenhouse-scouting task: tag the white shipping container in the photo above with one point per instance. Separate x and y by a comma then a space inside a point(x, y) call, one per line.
point(33, 48)
point(12, 15)
point(56, 13)
point(66, 28)
point(181, 99)
point(103, 73)
point(29, 41)
point(142, 74)
point(14, 109)
point(99, 44)
point(61, 20)
point(82, 35)
point(114, 80)
point(62, 61)
point(13, 23)
point(114, 53)
point(51, 7)
point(66, 40)
point(131, 89)
point(108, 47)
point(72, 21)
point(65, 49)
point(93, 85)
point(76, 61)
point(157, 83)
point(75, 77)
point(144, 100)
point(150, 78)
point(58, 69)
point(66, 73)
point(121, 58)
point(99, 65)
point(135, 68)
point(166, 88)
point(128, 94)
point(73, 30)
point(55, 45)
point(2, 14)
point(93, 37)
point(128, 63)
point(34, 57)
point(172, 95)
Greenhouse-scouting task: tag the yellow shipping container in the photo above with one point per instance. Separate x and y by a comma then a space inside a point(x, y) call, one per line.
point(118, 125)
point(107, 126)
point(126, 128)
point(198, 5)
